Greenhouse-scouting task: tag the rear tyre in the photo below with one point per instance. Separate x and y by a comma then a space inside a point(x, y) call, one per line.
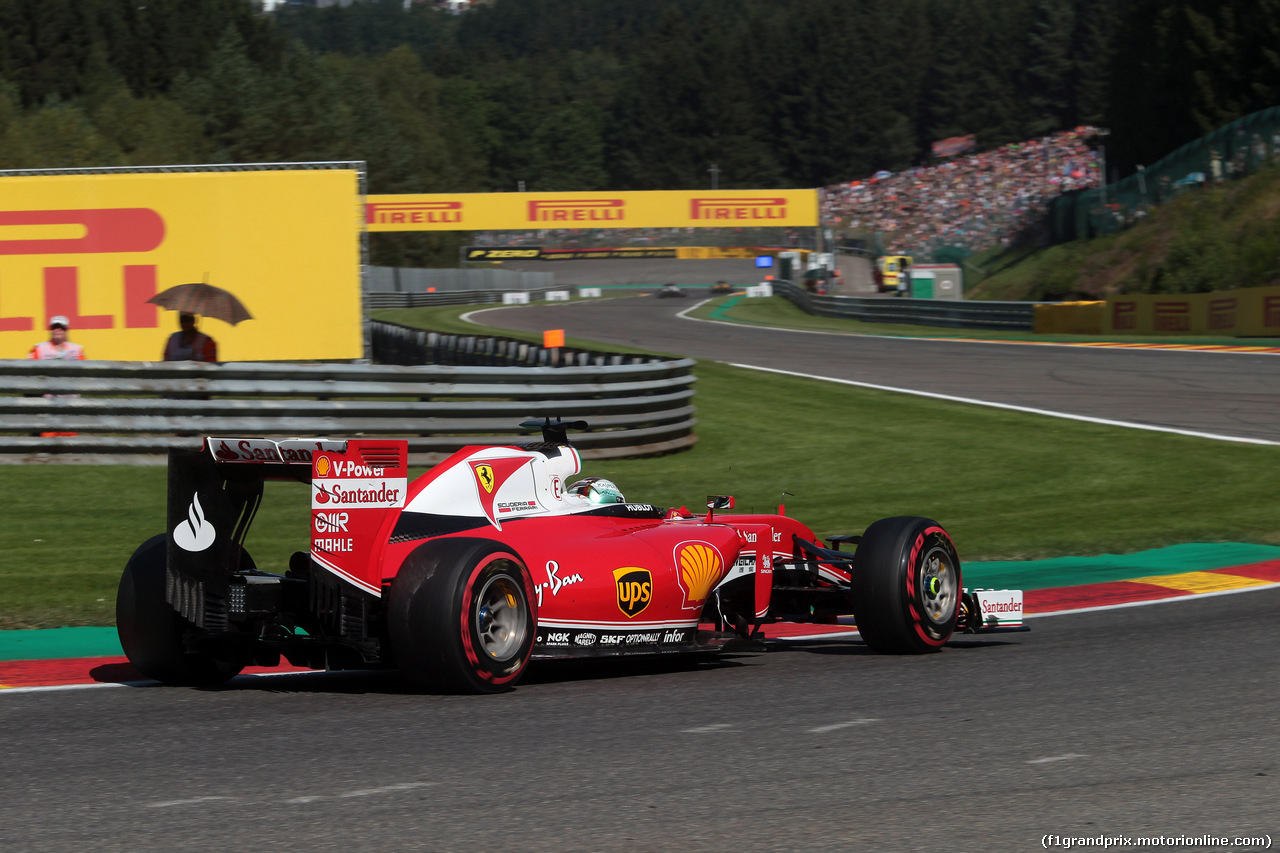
point(461, 616)
point(151, 631)
point(906, 586)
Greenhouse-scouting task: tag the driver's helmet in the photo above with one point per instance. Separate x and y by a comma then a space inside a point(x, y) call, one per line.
point(598, 490)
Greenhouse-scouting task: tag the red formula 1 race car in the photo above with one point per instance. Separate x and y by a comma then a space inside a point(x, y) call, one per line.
point(499, 555)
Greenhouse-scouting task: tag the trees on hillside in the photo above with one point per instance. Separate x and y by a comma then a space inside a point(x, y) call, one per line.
point(629, 94)
point(1183, 68)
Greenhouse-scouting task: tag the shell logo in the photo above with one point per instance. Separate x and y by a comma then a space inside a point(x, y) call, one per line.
point(700, 569)
point(322, 466)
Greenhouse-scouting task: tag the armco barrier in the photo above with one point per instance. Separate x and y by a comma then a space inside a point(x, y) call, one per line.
point(950, 313)
point(374, 301)
point(396, 344)
point(132, 412)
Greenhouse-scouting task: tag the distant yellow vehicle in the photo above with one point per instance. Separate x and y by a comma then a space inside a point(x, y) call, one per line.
point(890, 270)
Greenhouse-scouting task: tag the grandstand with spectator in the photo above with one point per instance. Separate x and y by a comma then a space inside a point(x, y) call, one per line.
point(973, 202)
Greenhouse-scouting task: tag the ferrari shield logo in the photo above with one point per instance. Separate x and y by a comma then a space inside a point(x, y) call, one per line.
point(635, 589)
point(493, 476)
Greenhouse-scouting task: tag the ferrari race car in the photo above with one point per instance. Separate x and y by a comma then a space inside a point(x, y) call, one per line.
point(499, 555)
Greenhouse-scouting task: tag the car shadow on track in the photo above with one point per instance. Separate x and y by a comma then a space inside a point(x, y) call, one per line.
point(558, 671)
point(859, 649)
point(388, 682)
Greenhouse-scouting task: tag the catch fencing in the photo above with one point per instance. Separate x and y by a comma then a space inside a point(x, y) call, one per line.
point(1233, 151)
point(413, 280)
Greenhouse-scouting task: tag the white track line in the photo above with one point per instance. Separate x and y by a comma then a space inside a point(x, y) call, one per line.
point(1070, 756)
point(194, 801)
point(948, 397)
point(714, 727)
point(59, 687)
point(1010, 407)
point(834, 726)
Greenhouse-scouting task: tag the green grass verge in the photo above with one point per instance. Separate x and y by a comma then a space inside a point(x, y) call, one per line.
point(1008, 486)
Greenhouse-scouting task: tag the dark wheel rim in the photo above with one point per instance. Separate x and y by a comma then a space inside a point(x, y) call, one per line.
point(939, 589)
point(502, 620)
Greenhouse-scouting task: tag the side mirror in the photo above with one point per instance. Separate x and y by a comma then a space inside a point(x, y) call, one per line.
point(719, 502)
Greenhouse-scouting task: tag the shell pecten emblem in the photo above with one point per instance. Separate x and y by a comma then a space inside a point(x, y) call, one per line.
point(700, 568)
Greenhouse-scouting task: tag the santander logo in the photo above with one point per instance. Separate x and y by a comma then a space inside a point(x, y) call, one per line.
point(1010, 606)
point(196, 533)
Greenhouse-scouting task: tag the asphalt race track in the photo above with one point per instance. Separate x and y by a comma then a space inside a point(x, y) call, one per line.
point(1223, 393)
point(1146, 721)
point(1142, 721)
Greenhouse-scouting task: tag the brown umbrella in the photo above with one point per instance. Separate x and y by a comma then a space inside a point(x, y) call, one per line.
point(203, 299)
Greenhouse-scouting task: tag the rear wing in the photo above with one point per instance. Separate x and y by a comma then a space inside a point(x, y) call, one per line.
point(287, 459)
point(213, 495)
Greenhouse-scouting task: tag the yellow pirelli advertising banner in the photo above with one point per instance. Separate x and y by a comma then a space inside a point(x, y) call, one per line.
point(533, 211)
point(1250, 311)
point(95, 248)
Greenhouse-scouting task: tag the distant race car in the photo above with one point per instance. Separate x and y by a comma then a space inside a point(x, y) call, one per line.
point(499, 555)
point(671, 290)
point(721, 287)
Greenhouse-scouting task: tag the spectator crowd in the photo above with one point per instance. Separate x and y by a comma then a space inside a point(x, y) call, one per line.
point(974, 201)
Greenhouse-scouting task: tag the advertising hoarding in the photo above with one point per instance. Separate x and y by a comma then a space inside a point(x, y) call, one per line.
point(95, 246)
point(533, 211)
point(1245, 312)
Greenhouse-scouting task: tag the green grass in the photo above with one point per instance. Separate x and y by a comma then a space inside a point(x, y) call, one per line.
point(1007, 485)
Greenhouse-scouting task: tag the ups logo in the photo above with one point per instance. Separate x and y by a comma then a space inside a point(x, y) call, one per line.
point(635, 589)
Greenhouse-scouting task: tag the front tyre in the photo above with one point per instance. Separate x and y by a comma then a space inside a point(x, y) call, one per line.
point(461, 616)
point(906, 586)
point(151, 632)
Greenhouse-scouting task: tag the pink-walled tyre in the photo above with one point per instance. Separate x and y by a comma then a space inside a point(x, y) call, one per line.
point(151, 632)
point(462, 617)
point(906, 586)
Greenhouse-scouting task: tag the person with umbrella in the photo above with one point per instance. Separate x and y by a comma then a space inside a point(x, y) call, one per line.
point(188, 300)
point(190, 344)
